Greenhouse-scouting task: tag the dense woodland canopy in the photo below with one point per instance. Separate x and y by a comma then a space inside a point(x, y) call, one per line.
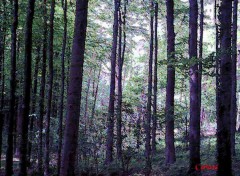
point(119, 87)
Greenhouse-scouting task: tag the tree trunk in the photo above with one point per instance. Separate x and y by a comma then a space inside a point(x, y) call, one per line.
point(9, 154)
point(169, 139)
point(110, 118)
point(33, 108)
point(200, 55)
point(234, 77)
point(74, 90)
point(61, 107)
point(225, 90)
point(149, 98)
point(42, 91)
point(50, 90)
point(27, 89)
point(119, 81)
point(154, 126)
point(194, 133)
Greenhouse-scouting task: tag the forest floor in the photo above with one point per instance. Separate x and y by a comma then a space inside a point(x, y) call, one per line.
point(179, 168)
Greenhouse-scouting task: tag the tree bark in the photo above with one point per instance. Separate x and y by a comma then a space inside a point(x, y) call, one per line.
point(149, 97)
point(194, 133)
point(50, 90)
point(225, 90)
point(74, 90)
point(154, 125)
point(42, 91)
point(61, 108)
point(33, 108)
point(234, 76)
point(110, 118)
point(27, 88)
point(169, 139)
point(9, 153)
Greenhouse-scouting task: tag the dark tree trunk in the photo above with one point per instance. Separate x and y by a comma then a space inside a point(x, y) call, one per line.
point(50, 90)
point(61, 108)
point(149, 97)
point(234, 76)
point(9, 154)
point(169, 139)
point(225, 90)
point(119, 81)
point(42, 91)
point(27, 89)
point(200, 55)
point(154, 126)
point(33, 108)
point(110, 118)
point(74, 90)
point(194, 133)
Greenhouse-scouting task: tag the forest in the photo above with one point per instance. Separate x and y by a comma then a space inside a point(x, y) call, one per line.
point(119, 87)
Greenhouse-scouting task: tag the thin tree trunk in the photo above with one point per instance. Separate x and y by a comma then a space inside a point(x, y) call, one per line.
point(27, 89)
point(9, 154)
point(86, 103)
point(194, 133)
point(119, 81)
point(149, 97)
point(50, 90)
point(110, 118)
point(234, 77)
point(96, 93)
point(42, 91)
point(74, 90)
point(225, 90)
point(154, 126)
point(33, 108)
point(169, 139)
point(61, 108)
point(200, 55)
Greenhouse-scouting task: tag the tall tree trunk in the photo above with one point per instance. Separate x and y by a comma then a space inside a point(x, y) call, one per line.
point(194, 133)
point(9, 154)
point(74, 90)
point(27, 88)
point(169, 139)
point(42, 91)
point(154, 126)
point(200, 55)
point(61, 108)
point(119, 81)
point(33, 108)
point(110, 118)
point(149, 97)
point(234, 76)
point(50, 90)
point(225, 90)
point(2, 50)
